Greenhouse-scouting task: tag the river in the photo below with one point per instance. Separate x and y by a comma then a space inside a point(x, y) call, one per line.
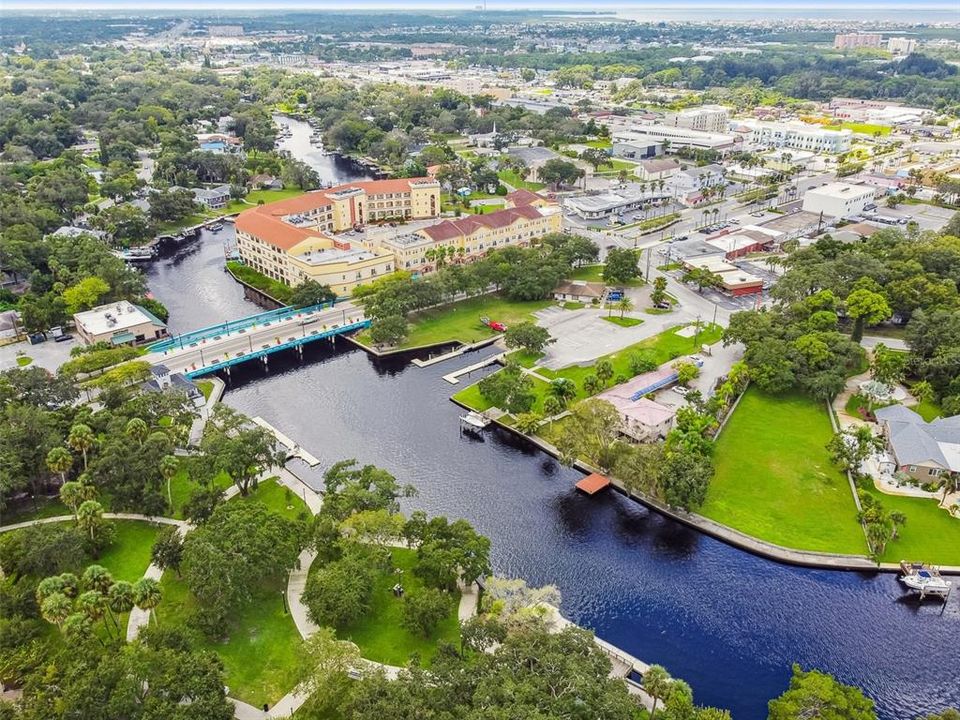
point(729, 623)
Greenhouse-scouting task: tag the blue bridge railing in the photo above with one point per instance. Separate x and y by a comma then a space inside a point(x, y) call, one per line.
point(307, 337)
point(230, 326)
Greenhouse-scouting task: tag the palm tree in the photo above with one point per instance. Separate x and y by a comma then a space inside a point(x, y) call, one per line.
point(657, 682)
point(49, 586)
point(624, 305)
point(552, 406)
point(70, 584)
point(89, 515)
point(604, 371)
point(591, 384)
point(56, 609)
point(81, 439)
point(59, 460)
point(169, 464)
point(93, 604)
point(528, 423)
point(563, 390)
point(147, 595)
point(77, 625)
point(97, 577)
point(137, 429)
point(120, 597)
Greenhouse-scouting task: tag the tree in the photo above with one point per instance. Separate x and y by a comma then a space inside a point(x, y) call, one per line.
point(147, 594)
point(813, 694)
point(349, 489)
point(528, 423)
point(390, 330)
point(657, 682)
point(509, 389)
point(866, 307)
point(529, 336)
point(621, 266)
point(59, 460)
point(324, 669)
point(85, 294)
point(557, 172)
point(167, 551)
point(74, 493)
point(850, 447)
point(922, 391)
point(228, 556)
point(563, 389)
point(552, 406)
point(686, 371)
point(624, 305)
point(685, 479)
point(56, 608)
point(701, 277)
point(888, 365)
point(604, 371)
point(81, 439)
point(339, 593)
point(233, 445)
point(423, 611)
point(659, 293)
point(373, 527)
point(592, 432)
point(595, 157)
point(90, 521)
point(310, 292)
point(169, 464)
point(447, 552)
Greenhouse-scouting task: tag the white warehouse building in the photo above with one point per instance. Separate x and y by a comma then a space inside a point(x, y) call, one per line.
point(796, 135)
point(838, 199)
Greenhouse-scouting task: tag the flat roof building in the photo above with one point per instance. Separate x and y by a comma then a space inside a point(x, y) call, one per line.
point(797, 135)
point(706, 118)
point(838, 199)
point(678, 137)
point(119, 323)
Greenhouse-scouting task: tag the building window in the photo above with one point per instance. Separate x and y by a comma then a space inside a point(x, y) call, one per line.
point(913, 468)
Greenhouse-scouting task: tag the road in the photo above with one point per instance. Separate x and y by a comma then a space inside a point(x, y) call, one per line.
point(212, 351)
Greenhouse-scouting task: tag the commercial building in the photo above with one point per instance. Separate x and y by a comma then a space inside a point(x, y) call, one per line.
point(657, 169)
point(850, 41)
point(901, 45)
point(630, 146)
point(746, 240)
point(121, 323)
point(469, 238)
point(838, 199)
point(877, 112)
point(731, 279)
point(677, 137)
point(614, 202)
point(706, 118)
point(689, 184)
point(795, 135)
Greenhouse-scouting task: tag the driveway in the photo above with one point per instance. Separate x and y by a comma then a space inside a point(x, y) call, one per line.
point(583, 335)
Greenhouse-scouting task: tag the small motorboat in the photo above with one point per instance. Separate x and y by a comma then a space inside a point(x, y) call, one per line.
point(474, 420)
point(135, 254)
point(215, 227)
point(924, 580)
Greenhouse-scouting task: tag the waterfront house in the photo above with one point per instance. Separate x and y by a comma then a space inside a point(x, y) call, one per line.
point(162, 380)
point(642, 419)
point(926, 451)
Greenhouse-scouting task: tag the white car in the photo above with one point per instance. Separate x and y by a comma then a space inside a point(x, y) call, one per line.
point(680, 390)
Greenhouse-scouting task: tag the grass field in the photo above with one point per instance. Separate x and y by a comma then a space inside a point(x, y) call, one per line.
point(182, 487)
point(276, 497)
point(929, 535)
point(774, 479)
point(128, 557)
point(511, 178)
point(460, 321)
point(23, 361)
point(268, 196)
point(260, 651)
point(623, 321)
point(206, 387)
point(524, 358)
point(380, 634)
point(928, 410)
point(573, 305)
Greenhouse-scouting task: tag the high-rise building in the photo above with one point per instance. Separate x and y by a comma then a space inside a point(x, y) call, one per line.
point(901, 45)
point(706, 118)
point(849, 41)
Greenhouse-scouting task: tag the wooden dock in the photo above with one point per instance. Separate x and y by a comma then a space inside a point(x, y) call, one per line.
point(593, 483)
point(454, 377)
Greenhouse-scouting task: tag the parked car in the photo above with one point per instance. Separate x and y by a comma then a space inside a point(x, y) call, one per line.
point(63, 338)
point(662, 305)
point(870, 206)
point(680, 390)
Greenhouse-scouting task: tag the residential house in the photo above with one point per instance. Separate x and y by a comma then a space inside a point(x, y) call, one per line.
point(579, 291)
point(162, 380)
point(642, 419)
point(657, 169)
point(926, 451)
point(691, 185)
point(215, 198)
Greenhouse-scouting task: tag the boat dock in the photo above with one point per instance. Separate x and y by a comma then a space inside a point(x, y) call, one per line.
point(593, 483)
point(294, 449)
point(454, 377)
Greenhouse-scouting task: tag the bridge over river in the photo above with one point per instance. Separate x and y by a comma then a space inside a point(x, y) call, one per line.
point(220, 347)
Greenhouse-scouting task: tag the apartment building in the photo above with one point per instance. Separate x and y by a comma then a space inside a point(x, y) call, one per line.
point(901, 45)
point(706, 118)
point(851, 41)
point(796, 135)
point(469, 238)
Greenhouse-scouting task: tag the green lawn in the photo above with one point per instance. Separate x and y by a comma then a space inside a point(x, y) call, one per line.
point(865, 128)
point(25, 510)
point(460, 321)
point(623, 321)
point(128, 557)
point(774, 479)
point(23, 360)
point(600, 143)
point(380, 635)
point(182, 487)
point(929, 535)
point(664, 347)
point(928, 410)
point(594, 273)
point(573, 305)
point(511, 178)
point(274, 288)
point(524, 358)
point(472, 398)
point(206, 387)
point(260, 651)
point(176, 225)
point(268, 196)
point(277, 497)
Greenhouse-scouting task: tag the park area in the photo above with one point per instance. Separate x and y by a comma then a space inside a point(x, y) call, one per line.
point(774, 479)
point(460, 321)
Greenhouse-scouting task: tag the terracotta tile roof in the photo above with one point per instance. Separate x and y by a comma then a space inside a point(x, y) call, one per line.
point(450, 229)
point(266, 221)
point(523, 197)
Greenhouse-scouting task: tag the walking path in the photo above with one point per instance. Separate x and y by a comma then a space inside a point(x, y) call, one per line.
point(107, 516)
point(199, 423)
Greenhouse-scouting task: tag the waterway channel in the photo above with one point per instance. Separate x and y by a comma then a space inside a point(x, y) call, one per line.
point(729, 623)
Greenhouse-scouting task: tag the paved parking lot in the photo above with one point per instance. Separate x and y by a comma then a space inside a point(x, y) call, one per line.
point(50, 355)
point(928, 217)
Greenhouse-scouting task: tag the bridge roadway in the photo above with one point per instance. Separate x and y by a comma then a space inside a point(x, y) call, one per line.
point(222, 351)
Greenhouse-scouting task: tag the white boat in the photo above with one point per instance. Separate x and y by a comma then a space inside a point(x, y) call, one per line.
point(141, 254)
point(475, 420)
point(924, 580)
